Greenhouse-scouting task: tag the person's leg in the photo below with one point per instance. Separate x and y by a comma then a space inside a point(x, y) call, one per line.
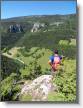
point(53, 72)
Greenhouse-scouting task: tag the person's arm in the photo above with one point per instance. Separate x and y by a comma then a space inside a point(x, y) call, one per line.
point(50, 63)
point(61, 59)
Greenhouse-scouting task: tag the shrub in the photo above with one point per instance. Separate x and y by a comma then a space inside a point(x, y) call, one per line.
point(9, 87)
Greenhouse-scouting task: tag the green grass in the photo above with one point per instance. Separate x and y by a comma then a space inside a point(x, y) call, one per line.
point(42, 54)
point(63, 42)
point(73, 42)
point(25, 97)
point(53, 96)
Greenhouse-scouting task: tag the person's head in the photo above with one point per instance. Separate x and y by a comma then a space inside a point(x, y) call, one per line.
point(56, 52)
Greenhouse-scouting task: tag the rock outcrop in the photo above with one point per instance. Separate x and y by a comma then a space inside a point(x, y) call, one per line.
point(39, 88)
point(36, 27)
point(15, 28)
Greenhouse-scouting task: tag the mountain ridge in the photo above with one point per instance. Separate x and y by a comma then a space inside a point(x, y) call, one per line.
point(37, 16)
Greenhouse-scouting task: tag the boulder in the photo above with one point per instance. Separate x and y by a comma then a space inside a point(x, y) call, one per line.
point(39, 88)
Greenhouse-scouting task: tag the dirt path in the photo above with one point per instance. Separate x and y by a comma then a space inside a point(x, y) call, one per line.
point(13, 52)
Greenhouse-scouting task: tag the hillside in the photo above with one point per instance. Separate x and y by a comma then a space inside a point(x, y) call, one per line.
point(28, 53)
point(39, 18)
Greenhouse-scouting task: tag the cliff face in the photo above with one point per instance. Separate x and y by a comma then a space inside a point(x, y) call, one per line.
point(36, 27)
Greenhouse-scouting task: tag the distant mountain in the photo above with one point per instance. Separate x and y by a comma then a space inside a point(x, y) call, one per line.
point(28, 21)
point(67, 28)
point(39, 18)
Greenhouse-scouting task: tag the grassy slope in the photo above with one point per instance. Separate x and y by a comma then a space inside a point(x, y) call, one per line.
point(66, 81)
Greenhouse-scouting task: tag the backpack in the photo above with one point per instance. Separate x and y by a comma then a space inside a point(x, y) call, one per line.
point(56, 60)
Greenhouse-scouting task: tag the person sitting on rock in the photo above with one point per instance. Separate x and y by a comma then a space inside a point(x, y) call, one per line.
point(55, 61)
